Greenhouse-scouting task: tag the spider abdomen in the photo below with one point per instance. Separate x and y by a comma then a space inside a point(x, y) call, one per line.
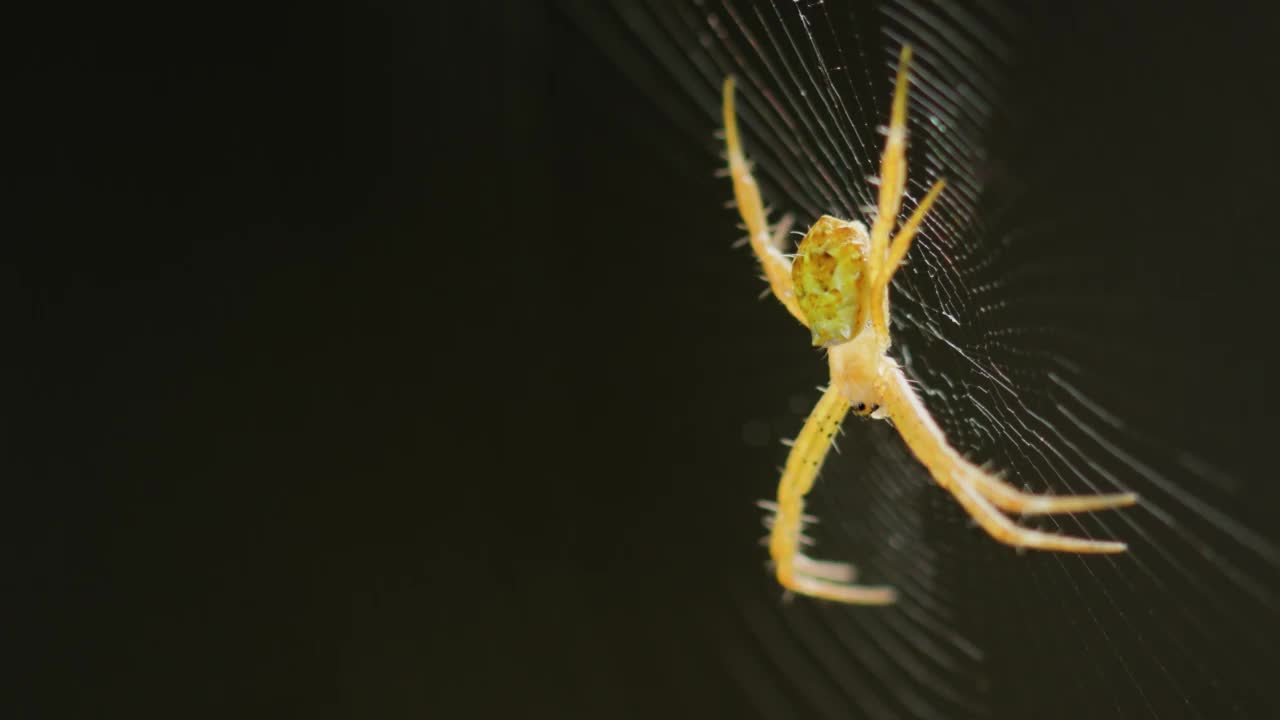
point(828, 277)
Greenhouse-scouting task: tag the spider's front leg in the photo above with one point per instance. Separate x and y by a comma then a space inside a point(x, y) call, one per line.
point(768, 246)
point(981, 494)
point(796, 571)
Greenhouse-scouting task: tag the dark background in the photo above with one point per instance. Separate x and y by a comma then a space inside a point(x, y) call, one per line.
point(392, 361)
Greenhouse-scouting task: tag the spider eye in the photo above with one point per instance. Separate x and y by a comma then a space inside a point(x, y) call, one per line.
point(860, 407)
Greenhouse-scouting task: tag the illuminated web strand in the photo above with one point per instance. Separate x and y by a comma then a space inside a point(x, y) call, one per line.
point(826, 91)
point(809, 118)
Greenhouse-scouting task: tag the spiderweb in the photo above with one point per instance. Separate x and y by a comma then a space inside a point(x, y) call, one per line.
point(1063, 324)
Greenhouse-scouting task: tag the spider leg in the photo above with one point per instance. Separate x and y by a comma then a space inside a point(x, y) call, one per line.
point(795, 571)
point(893, 178)
point(825, 569)
point(977, 491)
point(902, 241)
point(1001, 528)
point(767, 246)
point(780, 231)
point(893, 170)
point(1008, 498)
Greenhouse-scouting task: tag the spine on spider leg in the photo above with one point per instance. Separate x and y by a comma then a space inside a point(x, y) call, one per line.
point(803, 464)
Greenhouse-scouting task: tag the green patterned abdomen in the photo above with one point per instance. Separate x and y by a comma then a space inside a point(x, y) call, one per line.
point(828, 276)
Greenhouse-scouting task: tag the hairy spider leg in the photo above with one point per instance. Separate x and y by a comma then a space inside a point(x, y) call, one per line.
point(887, 255)
point(902, 241)
point(1001, 494)
point(961, 478)
point(795, 571)
point(767, 246)
point(1008, 498)
point(893, 178)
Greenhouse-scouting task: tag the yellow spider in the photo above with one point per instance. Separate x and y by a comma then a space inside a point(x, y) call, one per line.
point(838, 287)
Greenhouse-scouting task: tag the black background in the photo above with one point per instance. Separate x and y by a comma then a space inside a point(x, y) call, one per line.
point(392, 362)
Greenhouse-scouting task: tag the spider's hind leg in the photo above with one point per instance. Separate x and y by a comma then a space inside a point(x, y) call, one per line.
point(893, 165)
point(887, 254)
point(901, 242)
point(746, 193)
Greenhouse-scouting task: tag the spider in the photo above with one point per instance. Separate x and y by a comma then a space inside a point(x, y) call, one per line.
point(838, 287)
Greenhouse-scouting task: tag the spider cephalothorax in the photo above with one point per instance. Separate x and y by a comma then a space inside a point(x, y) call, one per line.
point(838, 287)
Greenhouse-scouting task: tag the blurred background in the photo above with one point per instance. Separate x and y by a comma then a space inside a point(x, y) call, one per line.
point(394, 361)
